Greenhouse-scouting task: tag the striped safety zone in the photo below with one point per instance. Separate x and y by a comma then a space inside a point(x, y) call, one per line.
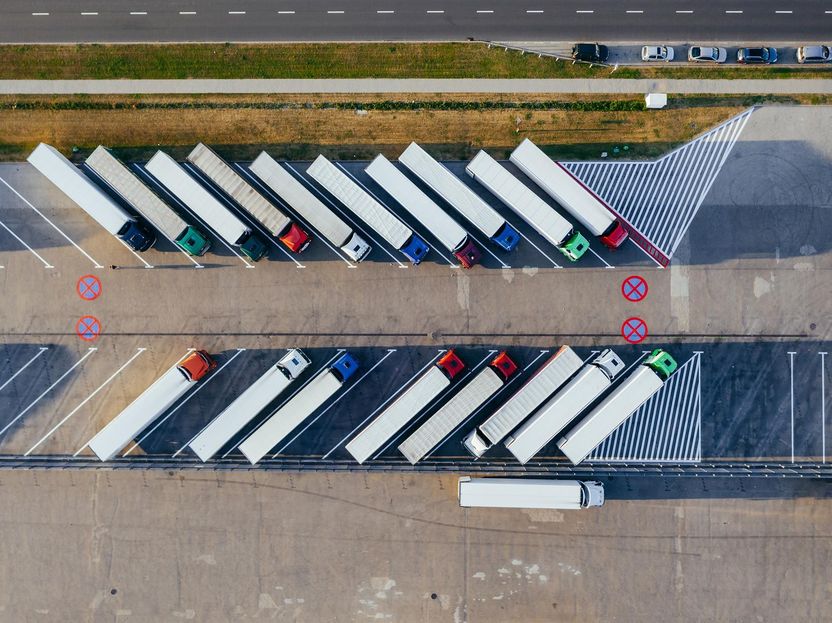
point(657, 200)
point(665, 429)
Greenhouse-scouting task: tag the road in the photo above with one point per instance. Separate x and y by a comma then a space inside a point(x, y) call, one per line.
point(50, 21)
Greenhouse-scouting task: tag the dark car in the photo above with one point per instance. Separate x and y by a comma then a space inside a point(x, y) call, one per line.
point(590, 52)
point(757, 56)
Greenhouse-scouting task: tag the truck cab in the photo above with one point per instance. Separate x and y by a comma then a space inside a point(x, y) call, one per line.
point(507, 238)
point(609, 363)
point(592, 493)
point(615, 235)
point(345, 366)
point(451, 364)
point(296, 238)
point(504, 365)
point(356, 248)
point(661, 363)
point(294, 363)
point(415, 249)
point(137, 235)
point(253, 247)
point(196, 365)
point(575, 246)
point(193, 242)
point(469, 254)
point(475, 444)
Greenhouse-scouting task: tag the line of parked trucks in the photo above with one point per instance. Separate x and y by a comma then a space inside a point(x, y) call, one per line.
point(205, 187)
point(548, 405)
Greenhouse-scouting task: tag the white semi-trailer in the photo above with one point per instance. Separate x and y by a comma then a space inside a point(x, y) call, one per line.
point(633, 392)
point(564, 406)
point(237, 188)
point(529, 493)
point(527, 205)
point(78, 187)
point(384, 222)
point(297, 196)
point(190, 192)
point(570, 193)
point(147, 203)
point(249, 404)
point(424, 210)
point(545, 382)
point(406, 407)
point(460, 197)
point(152, 403)
point(299, 407)
point(467, 400)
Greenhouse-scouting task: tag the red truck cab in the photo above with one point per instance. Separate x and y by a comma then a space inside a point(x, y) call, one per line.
point(451, 364)
point(615, 235)
point(296, 238)
point(469, 254)
point(196, 365)
point(503, 364)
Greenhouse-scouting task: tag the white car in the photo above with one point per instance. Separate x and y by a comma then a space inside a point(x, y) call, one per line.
point(657, 53)
point(699, 54)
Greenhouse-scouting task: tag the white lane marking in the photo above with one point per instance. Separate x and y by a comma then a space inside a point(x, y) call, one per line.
point(236, 12)
point(791, 355)
point(335, 12)
point(20, 240)
point(435, 12)
point(485, 11)
point(383, 404)
point(385, 12)
point(784, 12)
point(187, 12)
point(90, 351)
point(734, 12)
point(636, 12)
point(184, 402)
point(55, 227)
point(89, 13)
point(40, 14)
point(41, 350)
point(822, 402)
point(685, 12)
point(138, 12)
point(85, 401)
point(390, 351)
point(534, 10)
point(285, 12)
point(584, 11)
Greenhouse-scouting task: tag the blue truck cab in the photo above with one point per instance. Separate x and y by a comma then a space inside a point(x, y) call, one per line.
point(506, 237)
point(415, 249)
point(344, 367)
point(138, 236)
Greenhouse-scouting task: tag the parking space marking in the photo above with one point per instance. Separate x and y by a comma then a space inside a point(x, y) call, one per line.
point(274, 198)
point(41, 350)
point(55, 227)
point(90, 351)
point(202, 385)
point(85, 401)
point(822, 402)
point(791, 355)
point(383, 404)
point(390, 351)
point(21, 241)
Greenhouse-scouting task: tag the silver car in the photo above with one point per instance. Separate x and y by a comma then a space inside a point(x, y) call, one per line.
point(651, 53)
point(813, 54)
point(699, 54)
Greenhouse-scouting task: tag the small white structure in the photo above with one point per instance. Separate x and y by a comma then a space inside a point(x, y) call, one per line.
point(656, 100)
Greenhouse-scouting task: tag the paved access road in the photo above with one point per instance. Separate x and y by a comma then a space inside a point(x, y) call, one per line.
point(362, 20)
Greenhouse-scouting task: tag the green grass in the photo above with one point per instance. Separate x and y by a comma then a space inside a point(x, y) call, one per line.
point(332, 60)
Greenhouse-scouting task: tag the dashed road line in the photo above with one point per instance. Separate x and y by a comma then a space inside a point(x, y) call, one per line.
point(729, 12)
point(41, 14)
point(382, 12)
point(684, 12)
point(89, 13)
point(236, 12)
point(635, 12)
point(434, 12)
point(534, 11)
point(285, 12)
point(41, 350)
point(584, 11)
point(335, 12)
point(484, 11)
point(187, 12)
point(138, 12)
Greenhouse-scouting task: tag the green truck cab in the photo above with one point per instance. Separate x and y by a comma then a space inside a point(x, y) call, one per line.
point(661, 363)
point(193, 241)
point(575, 246)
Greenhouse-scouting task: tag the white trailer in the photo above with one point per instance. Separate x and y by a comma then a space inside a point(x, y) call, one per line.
point(249, 404)
point(190, 192)
point(299, 407)
point(527, 205)
point(147, 203)
point(479, 389)
point(78, 187)
point(564, 406)
point(570, 193)
point(529, 493)
point(459, 196)
point(298, 197)
point(406, 407)
point(235, 186)
point(387, 225)
point(152, 403)
point(633, 392)
point(545, 382)
point(423, 209)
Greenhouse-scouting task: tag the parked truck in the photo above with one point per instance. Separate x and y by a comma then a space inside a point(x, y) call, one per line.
point(567, 404)
point(406, 407)
point(78, 187)
point(460, 197)
point(152, 403)
point(378, 217)
point(529, 493)
point(424, 210)
point(237, 188)
point(146, 202)
point(624, 400)
point(249, 404)
point(302, 201)
point(528, 206)
point(299, 407)
point(467, 400)
point(570, 193)
point(545, 382)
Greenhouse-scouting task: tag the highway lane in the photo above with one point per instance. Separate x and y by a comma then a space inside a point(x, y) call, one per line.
point(53, 21)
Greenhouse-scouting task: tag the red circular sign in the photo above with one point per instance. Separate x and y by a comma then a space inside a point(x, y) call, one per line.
point(88, 328)
point(634, 288)
point(88, 287)
point(634, 330)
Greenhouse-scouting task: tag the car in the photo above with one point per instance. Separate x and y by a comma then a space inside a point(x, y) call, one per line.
point(590, 52)
point(757, 56)
point(700, 54)
point(657, 53)
point(813, 54)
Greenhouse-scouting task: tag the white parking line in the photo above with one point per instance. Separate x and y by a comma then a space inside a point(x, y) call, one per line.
point(20, 240)
point(390, 351)
point(41, 350)
point(822, 402)
point(72, 242)
point(184, 402)
point(90, 351)
point(85, 401)
point(791, 355)
point(383, 404)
